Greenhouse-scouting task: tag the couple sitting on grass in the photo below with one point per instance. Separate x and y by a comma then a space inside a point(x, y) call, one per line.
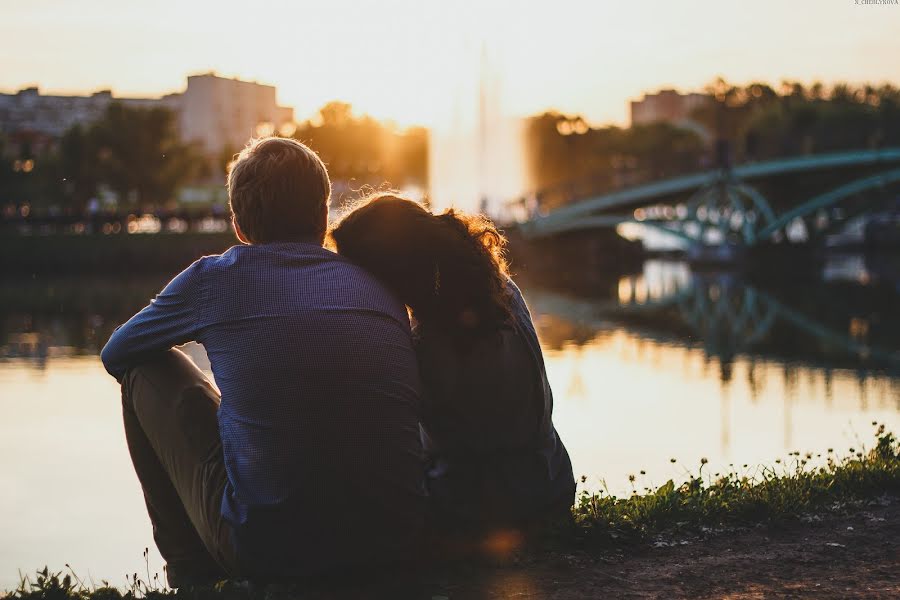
point(342, 435)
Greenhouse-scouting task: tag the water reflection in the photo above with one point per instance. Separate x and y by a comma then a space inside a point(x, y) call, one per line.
point(668, 362)
point(710, 364)
point(46, 318)
point(818, 322)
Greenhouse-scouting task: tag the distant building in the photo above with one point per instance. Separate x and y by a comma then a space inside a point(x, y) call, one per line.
point(669, 106)
point(30, 111)
point(216, 112)
point(225, 113)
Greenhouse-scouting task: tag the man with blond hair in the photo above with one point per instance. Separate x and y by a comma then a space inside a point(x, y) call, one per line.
point(310, 458)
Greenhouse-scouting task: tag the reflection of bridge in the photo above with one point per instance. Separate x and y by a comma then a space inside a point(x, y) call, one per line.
point(727, 206)
point(727, 316)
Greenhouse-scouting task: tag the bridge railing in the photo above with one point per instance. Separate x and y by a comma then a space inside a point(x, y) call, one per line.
point(540, 201)
point(733, 195)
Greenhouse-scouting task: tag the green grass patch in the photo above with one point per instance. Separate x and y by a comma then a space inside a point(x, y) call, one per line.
point(800, 485)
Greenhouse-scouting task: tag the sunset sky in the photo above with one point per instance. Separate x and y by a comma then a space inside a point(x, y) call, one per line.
point(413, 61)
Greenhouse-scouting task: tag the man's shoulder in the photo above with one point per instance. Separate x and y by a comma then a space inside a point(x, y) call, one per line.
point(224, 260)
point(255, 256)
point(302, 264)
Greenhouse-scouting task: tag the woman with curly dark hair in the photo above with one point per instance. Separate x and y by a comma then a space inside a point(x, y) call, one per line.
point(495, 459)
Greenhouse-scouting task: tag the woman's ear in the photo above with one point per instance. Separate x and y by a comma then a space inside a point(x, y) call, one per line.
point(237, 231)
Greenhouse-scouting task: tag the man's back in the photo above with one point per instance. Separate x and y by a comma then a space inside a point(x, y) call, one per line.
point(320, 403)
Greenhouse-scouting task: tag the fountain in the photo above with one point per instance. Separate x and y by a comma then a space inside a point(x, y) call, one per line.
point(476, 155)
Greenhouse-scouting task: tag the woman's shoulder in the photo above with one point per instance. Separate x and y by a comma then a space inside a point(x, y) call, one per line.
point(518, 308)
point(436, 342)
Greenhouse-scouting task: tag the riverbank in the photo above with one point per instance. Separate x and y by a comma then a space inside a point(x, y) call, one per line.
point(850, 552)
point(115, 254)
point(847, 552)
point(811, 526)
point(592, 255)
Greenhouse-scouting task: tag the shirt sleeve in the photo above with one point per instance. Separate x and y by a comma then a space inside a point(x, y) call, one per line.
point(169, 320)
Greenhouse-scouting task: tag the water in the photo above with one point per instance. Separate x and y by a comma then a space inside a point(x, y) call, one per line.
point(645, 367)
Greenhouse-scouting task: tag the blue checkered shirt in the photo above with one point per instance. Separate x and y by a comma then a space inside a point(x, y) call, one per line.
point(320, 400)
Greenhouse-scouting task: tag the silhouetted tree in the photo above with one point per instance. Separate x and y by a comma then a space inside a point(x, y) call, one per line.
point(757, 120)
point(812, 120)
point(364, 150)
point(140, 154)
point(567, 158)
point(78, 168)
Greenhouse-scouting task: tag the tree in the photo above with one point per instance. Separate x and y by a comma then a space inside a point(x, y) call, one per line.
point(815, 121)
point(140, 154)
point(77, 163)
point(567, 158)
point(364, 150)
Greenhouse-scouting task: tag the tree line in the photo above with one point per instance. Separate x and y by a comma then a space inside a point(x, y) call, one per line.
point(137, 155)
point(754, 121)
point(794, 119)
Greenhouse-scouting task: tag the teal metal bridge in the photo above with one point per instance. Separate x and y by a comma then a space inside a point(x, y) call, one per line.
point(723, 206)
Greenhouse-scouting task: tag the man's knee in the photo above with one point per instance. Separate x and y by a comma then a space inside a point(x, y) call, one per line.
point(175, 407)
point(165, 377)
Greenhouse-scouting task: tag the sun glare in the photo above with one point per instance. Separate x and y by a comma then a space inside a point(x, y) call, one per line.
point(404, 61)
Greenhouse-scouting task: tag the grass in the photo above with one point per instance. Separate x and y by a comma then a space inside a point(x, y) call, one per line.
point(787, 490)
point(802, 485)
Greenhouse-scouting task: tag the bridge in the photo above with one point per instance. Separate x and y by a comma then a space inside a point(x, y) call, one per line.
point(727, 206)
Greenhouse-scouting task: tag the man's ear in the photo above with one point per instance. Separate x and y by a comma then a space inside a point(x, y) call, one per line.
point(237, 231)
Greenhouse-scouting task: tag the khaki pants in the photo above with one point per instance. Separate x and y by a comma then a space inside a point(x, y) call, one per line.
point(169, 408)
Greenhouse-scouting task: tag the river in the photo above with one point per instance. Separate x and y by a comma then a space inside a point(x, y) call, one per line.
point(649, 366)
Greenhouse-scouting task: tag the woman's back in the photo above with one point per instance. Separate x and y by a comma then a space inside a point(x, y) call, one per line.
point(495, 455)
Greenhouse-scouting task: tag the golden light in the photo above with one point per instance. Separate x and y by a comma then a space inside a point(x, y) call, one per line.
point(410, 61)
point(265, 129)
point(287, 129)
point(625, 290)
point(640, 291)
point(500, 545)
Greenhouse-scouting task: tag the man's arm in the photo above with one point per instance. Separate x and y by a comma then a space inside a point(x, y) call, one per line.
point(169, 320)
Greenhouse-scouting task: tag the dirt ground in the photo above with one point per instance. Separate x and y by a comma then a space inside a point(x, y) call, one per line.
point(851, 555)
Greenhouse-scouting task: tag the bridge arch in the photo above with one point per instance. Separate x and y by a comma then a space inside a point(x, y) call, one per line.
point(723, 194)
point(829, 199)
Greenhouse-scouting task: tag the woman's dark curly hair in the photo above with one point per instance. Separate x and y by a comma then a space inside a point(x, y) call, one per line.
point(449, 269)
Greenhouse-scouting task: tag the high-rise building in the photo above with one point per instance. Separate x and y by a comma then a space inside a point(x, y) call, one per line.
point(214, 111)
point(225, 113)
